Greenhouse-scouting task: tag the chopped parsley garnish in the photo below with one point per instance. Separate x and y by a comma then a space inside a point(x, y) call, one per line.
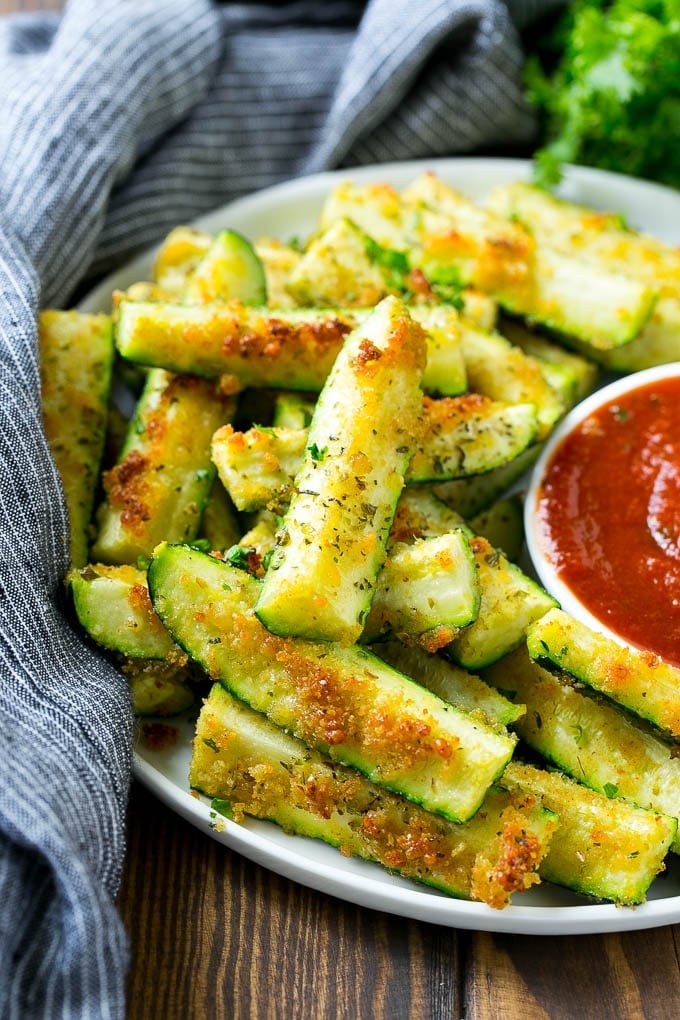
point(317, 453)
point(239, 556)
point(201, 545)
point(445, 281)
point(395, 263)
point(222, 807)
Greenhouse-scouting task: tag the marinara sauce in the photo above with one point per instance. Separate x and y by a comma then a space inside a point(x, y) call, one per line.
point(609, 515)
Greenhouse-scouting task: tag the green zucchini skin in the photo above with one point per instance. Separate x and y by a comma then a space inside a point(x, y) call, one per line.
point(460, 437)
point(240, 757)
point(504, 372)
point(160, 486)
point(509, 599)
point(229, 269)
point(448, 236)
point(76, 357)
point(502, 524)
point(113, 604)
point(589, 738)
point(450, 682)
point(261, 347)
point(341, 700)
point(286, 348)
point(638, 680)
point(322, 575)
point(426, 591)
point(604, 848)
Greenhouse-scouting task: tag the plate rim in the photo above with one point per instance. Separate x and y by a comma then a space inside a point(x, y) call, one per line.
point(408, 900)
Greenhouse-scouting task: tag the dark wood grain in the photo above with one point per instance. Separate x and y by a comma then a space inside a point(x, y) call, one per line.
point(223, 937)
point(607, 977)
point(215, 936)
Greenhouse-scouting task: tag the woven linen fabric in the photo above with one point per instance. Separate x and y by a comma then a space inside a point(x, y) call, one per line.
point(119, 120)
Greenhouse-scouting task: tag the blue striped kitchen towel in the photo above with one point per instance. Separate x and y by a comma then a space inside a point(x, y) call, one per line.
point(118, 120)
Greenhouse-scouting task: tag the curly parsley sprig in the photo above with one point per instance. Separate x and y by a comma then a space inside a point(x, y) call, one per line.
point(606, 79)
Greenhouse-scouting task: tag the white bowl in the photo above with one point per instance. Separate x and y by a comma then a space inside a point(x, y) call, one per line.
point(541, 562)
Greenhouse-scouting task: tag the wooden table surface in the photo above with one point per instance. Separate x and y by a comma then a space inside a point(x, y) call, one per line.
point(214, 936)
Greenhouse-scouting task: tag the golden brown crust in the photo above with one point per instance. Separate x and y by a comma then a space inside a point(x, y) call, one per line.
point(487, 862)
point(268, 340)
point(126, 487)
point(513, 868)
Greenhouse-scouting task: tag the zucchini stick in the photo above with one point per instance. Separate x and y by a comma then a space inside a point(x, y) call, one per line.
point(322, 575)
point(459, 437)
point(343, 701)
point(503, 372)
point(114, 606)
point(426, 591)
point(509, 599)
point(242, 758)
point(76, 355)
point(286, 348)
point(604, 848)
point(454, 241)
point(601, 237)
point(589, 738)
point(229, 269)
point(450, 682)
point(639, 680)
point(604, 307)
point(160, 485)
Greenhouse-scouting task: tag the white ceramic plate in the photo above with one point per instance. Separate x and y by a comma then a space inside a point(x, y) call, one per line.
point(292, 209)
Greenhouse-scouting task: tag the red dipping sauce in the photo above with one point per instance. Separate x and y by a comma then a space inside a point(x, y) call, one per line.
point(608, 514)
